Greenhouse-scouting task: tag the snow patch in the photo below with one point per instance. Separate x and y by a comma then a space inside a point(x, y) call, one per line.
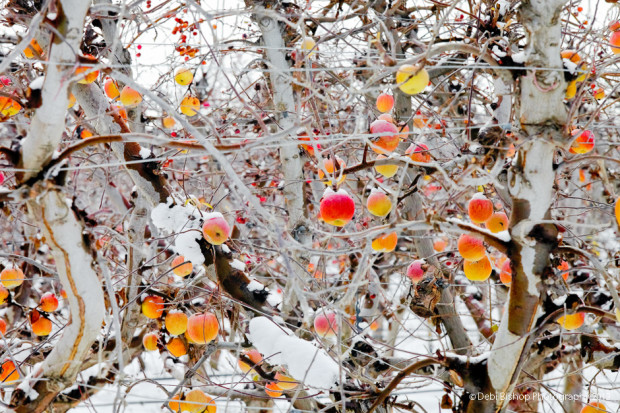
point(305, 362)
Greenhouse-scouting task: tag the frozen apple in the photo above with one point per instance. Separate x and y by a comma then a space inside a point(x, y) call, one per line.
point(325, 325)
point(385, 102)
point(176, 322)
point(85, 71)
point(378, 203)
point(385, 242)
point(614, 41)
point(418, 152)
point(470, 247)
point(480, 208)
point(196, 401)
point(2, 326)
point(41, 326)
point(153, 306)
point(328, 165)
point(571, 55)
point(273, 390)
point(181, 267)
point(498, 222)
point(254, 356)
point(111, 89)
point(216, 230)
point(440, 244)
point(571, 90)
point(572, 321)
point(149, 341)
point(11, 277)
point(49, 302)
point(337, 208)
point(387, 171)
point(130, 98)
point(387, 136)
point(477, 270)
point(176, 347)
point(285, 382)
point(183, 76)
point(8, 372)
point(168, 122)
point(9, 106)
point(416, 270)
point(412, 79)
point(583, 143)
point(202, 328)
point(308, 45)
point(505, 275)
point(33, 50)
point(190, 105)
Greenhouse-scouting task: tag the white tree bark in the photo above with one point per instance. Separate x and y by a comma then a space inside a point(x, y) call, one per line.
point(59, 224)
point(531, 180)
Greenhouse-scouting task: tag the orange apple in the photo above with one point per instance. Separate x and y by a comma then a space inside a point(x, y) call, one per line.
point(572, 321)
point(480, 208)
point(33, 50)
point(110, 88)
point(273, 390)
point(584, 142)
point(471, 248)
point(325, 325)
point(418, 152)
point(378, 203)
point(328, 165)
point(8, 372)
point(49, 302)
point(594, 407)
point(202, 328)
point(505, 275)
point(4, 295)
point(477, 270)
point(614, 41)
point(149, 341)
point(388, 138)
point(180, 267)
point(385, 242)
point(412, 79)
point(72, 101)
point(130, 98)
point(285, 382)
point(440, 244)
point(498, 222)
point(337, 208)
point(168, 122)
point(254, 356)
point(216, 230)
point(40, 325)
point(176, 347)
point(2, 326)
point(174, 404)
point(385, 102)
point(11, 277)
point(197, 402)
point(176, 322)
point(88, 74)
point(571, 55)
point(153, 306)
point(9, 106)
